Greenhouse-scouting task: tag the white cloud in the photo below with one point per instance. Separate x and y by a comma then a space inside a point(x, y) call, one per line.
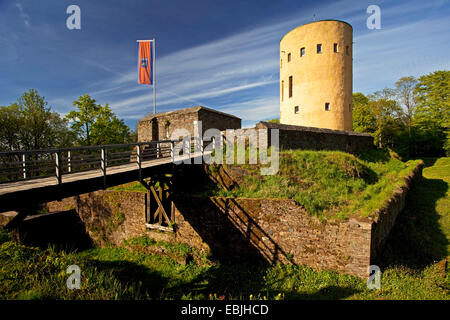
point(255, 109)
point(25, 17)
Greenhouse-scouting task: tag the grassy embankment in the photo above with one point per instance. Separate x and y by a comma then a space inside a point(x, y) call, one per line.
point(329, 184)
point(413, 265)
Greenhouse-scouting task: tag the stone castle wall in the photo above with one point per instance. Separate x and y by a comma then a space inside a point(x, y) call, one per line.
point(248, 230)
point(161, 126)
point(386, 216)
point(232, 229)
point(218, 121)
point(108, 216)
point(308, 138)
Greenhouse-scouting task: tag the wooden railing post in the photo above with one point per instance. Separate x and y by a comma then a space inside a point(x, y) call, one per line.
point(24, 169)
point(104, 164)
point(58, 167)
point(172, 151)
point(69, 161)
point(158, 149)
point(189, 148)
point(139, 160)
point(103, 160)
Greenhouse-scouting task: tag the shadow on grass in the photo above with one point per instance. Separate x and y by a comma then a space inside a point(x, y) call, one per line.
point(240, 281)
point(428, 162)
point(237, 281)
point(416, 240)
point(232, 281)
point(228, 280)
point(327, 293)
point(374, 155)
point(63, 231)
point(138, 282)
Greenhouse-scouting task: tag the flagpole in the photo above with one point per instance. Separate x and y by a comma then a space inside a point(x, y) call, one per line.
point(154, 79)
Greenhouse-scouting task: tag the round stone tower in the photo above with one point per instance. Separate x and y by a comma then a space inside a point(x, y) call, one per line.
point(316, 75)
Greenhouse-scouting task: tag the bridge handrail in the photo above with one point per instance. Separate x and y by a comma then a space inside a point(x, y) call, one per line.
point(41, 162)
point(97, 147)
point(64, 161)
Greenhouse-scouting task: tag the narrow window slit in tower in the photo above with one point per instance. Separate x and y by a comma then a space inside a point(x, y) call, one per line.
point(319, 48)
point(289, 57)
point(302, 52)
point(327, 106)
point(347, 50)
point(335, 47)
point(296, 109)
point(290, 86)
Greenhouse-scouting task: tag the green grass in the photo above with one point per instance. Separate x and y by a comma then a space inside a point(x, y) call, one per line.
point(135, 186)
point(132, 186)
point(329, 184)
point(424, 225)
point(117, 273)
point(413, 264)
point(179, 250)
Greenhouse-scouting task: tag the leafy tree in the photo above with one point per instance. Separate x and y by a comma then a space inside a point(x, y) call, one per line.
point(41, 128)
point(363, 118)
point(95, 124)
point(108, 129)
point(82, 120)
point(433, 106)
point(386, 112)
point(413, 118)
point(30, 124)
point(377, 114)
point(405, 94)
point(133, 137)
point(10, 127)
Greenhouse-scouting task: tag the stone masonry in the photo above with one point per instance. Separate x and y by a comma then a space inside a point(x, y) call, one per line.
point(274, 230)
point(309, 138)
point(161, 125)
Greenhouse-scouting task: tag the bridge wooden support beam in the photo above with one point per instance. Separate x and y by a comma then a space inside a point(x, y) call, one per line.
point(17, 220)
point(160, 208)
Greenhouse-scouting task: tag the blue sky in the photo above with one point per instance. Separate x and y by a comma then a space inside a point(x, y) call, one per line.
point(220, 54)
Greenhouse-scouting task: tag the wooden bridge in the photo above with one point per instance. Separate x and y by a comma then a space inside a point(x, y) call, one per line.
point(30, 178)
